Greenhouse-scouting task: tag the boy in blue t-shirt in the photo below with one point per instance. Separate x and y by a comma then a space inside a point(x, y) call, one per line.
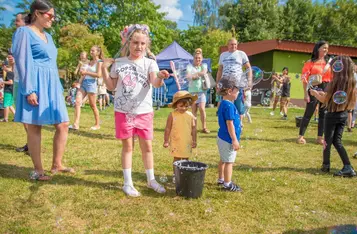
point(228, 133)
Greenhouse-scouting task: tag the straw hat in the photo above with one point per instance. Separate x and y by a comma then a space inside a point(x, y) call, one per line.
point(181, 95)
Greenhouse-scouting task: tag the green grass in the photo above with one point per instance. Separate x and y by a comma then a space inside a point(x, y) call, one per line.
point(283, 189)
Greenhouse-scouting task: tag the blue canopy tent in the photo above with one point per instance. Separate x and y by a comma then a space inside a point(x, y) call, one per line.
point(178, 55)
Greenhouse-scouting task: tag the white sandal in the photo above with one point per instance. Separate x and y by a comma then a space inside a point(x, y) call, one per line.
point(94, 128)
point(153, 184)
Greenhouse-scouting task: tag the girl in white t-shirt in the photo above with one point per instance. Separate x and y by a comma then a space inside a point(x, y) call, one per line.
point(133, 77)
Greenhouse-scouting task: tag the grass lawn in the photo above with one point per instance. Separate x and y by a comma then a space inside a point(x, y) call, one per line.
point(283, 189)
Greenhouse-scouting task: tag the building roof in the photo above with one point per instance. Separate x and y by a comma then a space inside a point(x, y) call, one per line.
point(258, 47)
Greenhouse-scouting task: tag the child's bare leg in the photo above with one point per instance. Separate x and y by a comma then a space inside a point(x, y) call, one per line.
point(77, 107)
point(228, 170)
point(220, 171)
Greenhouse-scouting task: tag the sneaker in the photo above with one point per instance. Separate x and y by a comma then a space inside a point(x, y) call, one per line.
point(284, 118)
point(153, 184)
point(130, 191)
point(272, 113)
point(232, 188)
point(281, 113)
point(220, 182)
point(22, 149)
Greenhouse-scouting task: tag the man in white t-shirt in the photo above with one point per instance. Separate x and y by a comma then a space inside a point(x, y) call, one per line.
point(231, 65)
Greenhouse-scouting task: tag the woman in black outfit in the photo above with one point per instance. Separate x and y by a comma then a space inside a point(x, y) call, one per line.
point(315, 66)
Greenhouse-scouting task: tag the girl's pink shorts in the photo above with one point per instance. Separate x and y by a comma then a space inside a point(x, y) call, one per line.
point(140, 125)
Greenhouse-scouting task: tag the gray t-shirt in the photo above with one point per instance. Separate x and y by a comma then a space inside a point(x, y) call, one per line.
point(233, 63)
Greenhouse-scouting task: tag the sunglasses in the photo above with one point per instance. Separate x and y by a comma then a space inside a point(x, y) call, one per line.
point(49, 15)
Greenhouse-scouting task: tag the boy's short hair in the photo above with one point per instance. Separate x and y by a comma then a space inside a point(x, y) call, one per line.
point(225, 84)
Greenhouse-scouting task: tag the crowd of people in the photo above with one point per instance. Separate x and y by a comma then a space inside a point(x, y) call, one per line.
point(40, 101)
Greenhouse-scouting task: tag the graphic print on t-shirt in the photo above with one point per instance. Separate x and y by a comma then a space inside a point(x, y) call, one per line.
point(133, 88)
point(233, 66)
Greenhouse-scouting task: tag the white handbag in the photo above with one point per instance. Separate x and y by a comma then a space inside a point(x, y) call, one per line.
point(208, 81)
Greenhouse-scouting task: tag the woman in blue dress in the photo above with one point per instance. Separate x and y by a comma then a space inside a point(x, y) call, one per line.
point(40, 97)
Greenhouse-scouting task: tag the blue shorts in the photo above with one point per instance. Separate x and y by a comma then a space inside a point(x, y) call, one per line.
point(89, 85)
point(240, 105)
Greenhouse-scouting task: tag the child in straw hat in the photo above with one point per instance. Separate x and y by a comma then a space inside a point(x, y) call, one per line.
point(180, 131)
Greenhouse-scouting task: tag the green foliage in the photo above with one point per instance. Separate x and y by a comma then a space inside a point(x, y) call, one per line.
point(337, 23)
point(298, 20)
point(211, 42)
point(5, 40)
point(206, 12)
point(75, 38)
point(208, 40)
point(109, 17)
point(252, 19)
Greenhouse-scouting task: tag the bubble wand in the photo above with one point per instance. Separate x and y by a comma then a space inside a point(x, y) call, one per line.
point(174, 73)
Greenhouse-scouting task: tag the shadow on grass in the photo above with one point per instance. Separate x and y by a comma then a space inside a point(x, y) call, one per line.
point(7, 147)
point(286, 127)
point(309, 141)
point(347, 228)
point(97, 135)
point(137, 176)
point(22, 173)
point(247, 168)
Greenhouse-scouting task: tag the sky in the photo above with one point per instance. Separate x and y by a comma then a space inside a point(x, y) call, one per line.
point(178, 11)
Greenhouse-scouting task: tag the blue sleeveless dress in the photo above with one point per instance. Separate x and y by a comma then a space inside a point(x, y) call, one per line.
point(36, 63)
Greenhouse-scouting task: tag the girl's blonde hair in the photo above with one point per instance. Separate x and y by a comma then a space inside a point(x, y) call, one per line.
point(99, 49)
point(198, 51)
point(127, 35)
point(342, 81)
point(127, 51)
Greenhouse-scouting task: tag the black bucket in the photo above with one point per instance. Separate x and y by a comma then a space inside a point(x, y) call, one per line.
point(189, 178)
point(298, 121)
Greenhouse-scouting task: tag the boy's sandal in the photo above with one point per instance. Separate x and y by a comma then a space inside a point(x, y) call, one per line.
point(205, 130)
point(39, 177)
point(64, 170)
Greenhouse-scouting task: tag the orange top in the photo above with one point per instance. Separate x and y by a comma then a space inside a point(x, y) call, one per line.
point(311, 68)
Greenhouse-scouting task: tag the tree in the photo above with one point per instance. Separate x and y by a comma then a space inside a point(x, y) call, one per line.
point(298, 20)
point(208, 40)
point(75, 38)
point(109, 17)
point(252, 19)
point(206, 12)
point(336, 23)
point(5, 40)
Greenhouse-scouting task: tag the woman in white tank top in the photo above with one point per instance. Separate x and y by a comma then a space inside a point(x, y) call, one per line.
point(89, 74)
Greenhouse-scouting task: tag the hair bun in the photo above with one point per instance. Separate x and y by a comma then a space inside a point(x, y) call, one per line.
point(198, 51)
point(28, 18)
